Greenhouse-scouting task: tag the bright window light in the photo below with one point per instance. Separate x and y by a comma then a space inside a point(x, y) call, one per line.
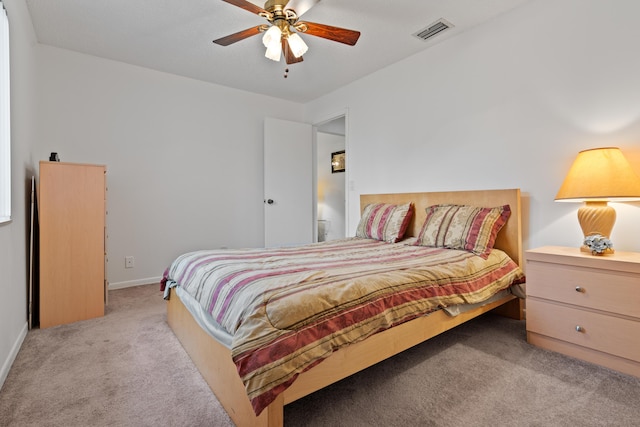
point(5, 120)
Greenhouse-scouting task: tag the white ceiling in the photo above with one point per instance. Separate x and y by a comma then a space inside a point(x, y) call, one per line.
point(176, 37)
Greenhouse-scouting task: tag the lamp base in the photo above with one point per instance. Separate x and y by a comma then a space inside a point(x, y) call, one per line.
point(587, 249)
point(596, 218)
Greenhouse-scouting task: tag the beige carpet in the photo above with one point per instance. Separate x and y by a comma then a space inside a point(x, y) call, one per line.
point(127, 369)
point(124, 369)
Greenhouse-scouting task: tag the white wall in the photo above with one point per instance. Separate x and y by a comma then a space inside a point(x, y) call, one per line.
point(13, 235)
point(184, 161)
point(331, 186)
point(505, 105)
point(184, 158)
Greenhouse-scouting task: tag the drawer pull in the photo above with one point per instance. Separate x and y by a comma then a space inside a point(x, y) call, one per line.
point(580, 289)
point(579, 328)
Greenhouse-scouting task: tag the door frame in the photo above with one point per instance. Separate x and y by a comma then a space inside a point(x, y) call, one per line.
point(329, 118)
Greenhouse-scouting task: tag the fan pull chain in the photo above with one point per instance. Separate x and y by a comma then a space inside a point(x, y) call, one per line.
point(286, 73)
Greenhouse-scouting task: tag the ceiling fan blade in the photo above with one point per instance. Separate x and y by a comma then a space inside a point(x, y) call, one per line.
point(236, 37)
point(288, 54)
point(336, 34)
point(301, 6)
point(244, 4)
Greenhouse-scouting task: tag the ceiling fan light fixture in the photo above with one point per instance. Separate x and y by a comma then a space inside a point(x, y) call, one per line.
point(271, 36)
point(297, 45)
point(279, 32)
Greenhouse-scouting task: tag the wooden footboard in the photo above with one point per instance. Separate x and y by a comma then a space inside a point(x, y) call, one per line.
point(214, 362)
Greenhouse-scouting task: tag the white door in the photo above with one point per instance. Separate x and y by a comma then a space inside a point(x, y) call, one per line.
point(288, 183)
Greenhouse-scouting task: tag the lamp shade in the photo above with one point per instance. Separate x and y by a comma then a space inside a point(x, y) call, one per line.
point(600, 174)
point(271, 40)
point(273, 51)
point(297, 45)
point(272, 35)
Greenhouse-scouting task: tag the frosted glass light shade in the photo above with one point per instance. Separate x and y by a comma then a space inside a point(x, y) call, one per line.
point(273, 51)
point(297, 45)
point(273, 33)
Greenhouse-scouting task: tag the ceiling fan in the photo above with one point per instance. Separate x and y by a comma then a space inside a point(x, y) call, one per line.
point(281, 34)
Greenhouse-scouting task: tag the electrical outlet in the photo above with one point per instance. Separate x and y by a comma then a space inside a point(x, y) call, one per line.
point(129, 262)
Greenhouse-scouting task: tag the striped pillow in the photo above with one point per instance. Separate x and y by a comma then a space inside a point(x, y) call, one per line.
point(384, 221)
point(469, 228)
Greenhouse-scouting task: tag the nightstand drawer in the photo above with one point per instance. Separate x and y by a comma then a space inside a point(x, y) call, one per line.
point(606, 290)
point(608, 334)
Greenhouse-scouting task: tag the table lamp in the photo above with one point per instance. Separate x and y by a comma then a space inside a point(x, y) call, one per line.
point(598, 176)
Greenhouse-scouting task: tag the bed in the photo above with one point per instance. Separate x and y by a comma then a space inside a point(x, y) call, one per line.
point(223, 367)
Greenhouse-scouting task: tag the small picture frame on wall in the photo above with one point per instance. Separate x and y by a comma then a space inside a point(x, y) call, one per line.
point(337, 161)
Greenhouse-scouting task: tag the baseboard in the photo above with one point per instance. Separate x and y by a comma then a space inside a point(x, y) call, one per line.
point(132, 283)
point(6, 366)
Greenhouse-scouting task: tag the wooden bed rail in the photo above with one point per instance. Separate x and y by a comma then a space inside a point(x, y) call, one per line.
point(213, 360)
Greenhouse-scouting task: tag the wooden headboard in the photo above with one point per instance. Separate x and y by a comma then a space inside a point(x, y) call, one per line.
point(510, 237)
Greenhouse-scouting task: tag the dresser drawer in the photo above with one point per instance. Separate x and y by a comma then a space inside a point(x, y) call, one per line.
point(606, 290)
point(609, 334)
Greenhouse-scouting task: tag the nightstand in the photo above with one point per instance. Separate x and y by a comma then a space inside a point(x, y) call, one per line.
point(585, 306)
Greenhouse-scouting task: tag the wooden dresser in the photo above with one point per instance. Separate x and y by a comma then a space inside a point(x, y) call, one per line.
point(71, 213)
point(585, 306)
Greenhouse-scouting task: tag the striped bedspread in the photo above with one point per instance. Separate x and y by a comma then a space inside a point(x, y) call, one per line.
point(289, 308)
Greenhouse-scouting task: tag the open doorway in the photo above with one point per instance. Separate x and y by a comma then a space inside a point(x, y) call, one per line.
point(331, 179)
